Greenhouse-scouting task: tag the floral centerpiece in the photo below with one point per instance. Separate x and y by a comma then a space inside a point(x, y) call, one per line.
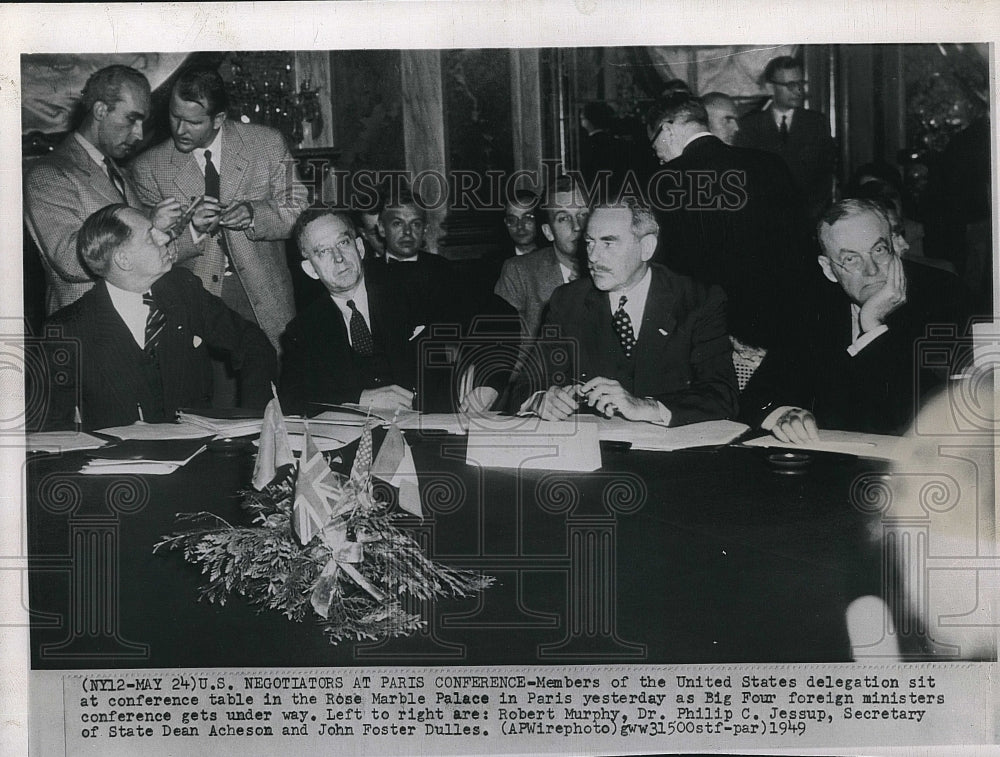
point(324, 543)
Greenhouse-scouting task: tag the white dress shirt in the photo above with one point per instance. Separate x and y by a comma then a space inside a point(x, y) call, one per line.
point(132, 311)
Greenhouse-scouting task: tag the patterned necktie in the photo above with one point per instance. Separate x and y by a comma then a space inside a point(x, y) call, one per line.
point(155, 322)
point(116, 178)
point(623, 327)
point(211, 177)
point(361, 337)
point(784, 129)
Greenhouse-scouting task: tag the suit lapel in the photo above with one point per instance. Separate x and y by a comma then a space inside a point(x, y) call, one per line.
point(551, 274)
point(234, 164)
point(188, 179)
point(99, 179)
point(117, 354)
point(658, 323)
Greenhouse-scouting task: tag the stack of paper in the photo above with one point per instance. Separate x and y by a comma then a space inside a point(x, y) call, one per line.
point(514, 442)
point(230, 428)
point(140, 431)
point(653, 436)
point(146, 457)
point(875, 446)
point(62, 441)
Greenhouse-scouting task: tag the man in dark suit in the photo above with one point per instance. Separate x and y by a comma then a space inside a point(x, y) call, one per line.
point(83, 174)
point(402, 223)
point(364, 340)
point(144, 331)
point(727, 216)
point(800, 136)
point(859, 365)
point(650, 344)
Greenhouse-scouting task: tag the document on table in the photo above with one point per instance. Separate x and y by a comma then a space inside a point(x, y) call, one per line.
point(144, 457)
point(62, 441)
point(353, 414)
point(656, 437)
point(877, 446)
point(140, 431)
point(222, 427)
point(515, 442)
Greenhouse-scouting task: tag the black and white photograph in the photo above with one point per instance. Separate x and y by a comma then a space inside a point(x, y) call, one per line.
point(465, 378)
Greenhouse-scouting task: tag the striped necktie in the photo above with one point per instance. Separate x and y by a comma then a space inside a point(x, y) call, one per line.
point(155, 322)
point(116, 177)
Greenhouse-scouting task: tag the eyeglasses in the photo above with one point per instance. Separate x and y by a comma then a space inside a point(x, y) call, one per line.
point(656, 134)
point(341, 248)
point(854, 262)
point(515, 221)
point(799, 84)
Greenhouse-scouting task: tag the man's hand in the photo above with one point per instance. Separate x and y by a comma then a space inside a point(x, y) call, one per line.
point(166, 213)
point(607, 396)
point(237, 217)
point(556, 404)
point(206, 217)
point(478, 400)
point(796, 426)
point(891, 296)
point(387, 397)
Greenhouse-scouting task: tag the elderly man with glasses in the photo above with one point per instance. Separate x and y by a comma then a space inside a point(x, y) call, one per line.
point(800, 136)
point(867, 361)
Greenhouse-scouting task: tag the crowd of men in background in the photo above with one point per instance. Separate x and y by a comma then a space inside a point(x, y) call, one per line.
point(762, 301)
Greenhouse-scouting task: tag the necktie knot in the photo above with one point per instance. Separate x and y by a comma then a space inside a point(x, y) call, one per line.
point(621, 301)
point(208, 156)
point(147, 299)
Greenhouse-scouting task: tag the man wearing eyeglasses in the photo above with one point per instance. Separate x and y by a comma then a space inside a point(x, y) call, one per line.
point(859, 367)
point(800, 136)
point(361, 340)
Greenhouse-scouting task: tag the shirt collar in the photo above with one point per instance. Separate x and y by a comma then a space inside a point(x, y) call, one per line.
point(92, 151)
point(119, 295)
point(215, 147)
point(359, 296)
point(636, 294)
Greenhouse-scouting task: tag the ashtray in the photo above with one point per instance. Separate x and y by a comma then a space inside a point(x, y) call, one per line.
point(789, 463)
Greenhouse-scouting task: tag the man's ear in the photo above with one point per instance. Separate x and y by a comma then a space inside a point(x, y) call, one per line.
point(647, 247)
point(547, 231)
point(310, 271)
point(100, 110)
point(359, 243)
point(827, 266)
point(122, 259)
point(217, 120)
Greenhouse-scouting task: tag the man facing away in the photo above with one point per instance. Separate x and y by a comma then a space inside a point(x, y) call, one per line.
point(859, 366)
point(650, 345)
point(84, 174)
point(144, 331)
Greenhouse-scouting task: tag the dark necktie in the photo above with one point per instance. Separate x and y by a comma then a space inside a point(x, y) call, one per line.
point(116, 177)
point(211, 177)
point(784, 129)
point(155, 322)
point(623, 327)
point(361, 336)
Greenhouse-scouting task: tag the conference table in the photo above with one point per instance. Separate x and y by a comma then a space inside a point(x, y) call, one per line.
point(692, 556)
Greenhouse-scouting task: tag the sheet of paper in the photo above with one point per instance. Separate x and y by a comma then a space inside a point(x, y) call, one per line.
point(223, 427)
point(451, 423)
point(115, 466)
point(876, 446)
point(62, 441)
point(342, 434)
point(571, 445)
point(152, 431)
point(653, 436)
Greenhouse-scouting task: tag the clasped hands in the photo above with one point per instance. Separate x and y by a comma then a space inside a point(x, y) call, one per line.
point(606, 396)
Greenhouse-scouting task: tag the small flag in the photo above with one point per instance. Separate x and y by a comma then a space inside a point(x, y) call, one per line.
point(275, 449)
point(394, 465)
point(316, 493)
point(363, 459)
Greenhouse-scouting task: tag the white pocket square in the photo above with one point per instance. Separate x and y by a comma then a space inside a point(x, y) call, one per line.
point(416, 332)
point(662, 331)
point(196, 342)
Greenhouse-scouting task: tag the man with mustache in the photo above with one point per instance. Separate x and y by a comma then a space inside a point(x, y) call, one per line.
point(144, 331)
point(83, 174)
point(649, 344)
point(858, 368)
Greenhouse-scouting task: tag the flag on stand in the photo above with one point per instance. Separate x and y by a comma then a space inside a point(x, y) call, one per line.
point(274, 448)
point(363, 459)
point(394, 465)
point(317, 491)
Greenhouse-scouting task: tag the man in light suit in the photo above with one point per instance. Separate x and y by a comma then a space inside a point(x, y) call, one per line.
point(859, 367)
point(800, 136)
point(82, 175)
point(144, 332)
point(527, 281)
point(361, 341)
point(249, 196)
point(650, 345)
